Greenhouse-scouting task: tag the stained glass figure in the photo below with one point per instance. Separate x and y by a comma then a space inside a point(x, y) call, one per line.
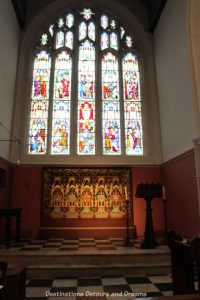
point(38, 136)
point(110, 77)
point(131, 77)
point(111, 137)
point(69, 40)
point(44, 39)
point(91, 31)
point(41, 75)
point(69, 20)
point(86, 82)
point(86, 71)
point(132, 105)
point(133, 137)
point(87, 13)
point(60, 136)
point(104, 41)
point(113, 41)
point(59, 39)
point(61, 107)
point(62, 77)
point(129, 41)
point(82, 30)
point(51, 31)
point(86, 128)
point(104, 22)
point(61, 22)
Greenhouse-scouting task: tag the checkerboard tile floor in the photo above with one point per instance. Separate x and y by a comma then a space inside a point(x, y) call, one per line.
point(108, 288)
point(57, 244)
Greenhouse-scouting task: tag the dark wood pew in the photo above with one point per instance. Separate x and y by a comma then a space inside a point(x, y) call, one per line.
point(184, 257)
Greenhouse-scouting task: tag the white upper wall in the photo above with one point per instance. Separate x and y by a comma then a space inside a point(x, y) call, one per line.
point(9, 37)
point(174, 80)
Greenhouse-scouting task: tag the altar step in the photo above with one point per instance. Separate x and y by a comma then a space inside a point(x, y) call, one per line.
point(128, 261)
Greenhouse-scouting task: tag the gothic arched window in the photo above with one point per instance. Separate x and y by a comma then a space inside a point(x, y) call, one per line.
point(86, 86)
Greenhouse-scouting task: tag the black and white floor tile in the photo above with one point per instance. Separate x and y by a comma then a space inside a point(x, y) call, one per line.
point(108, 288)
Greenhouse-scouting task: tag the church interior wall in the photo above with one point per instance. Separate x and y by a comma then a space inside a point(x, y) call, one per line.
point(10, 35)
point(181, 192)
point(174, 80)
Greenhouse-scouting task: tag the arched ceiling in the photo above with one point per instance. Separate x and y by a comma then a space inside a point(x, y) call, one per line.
point(148, 11)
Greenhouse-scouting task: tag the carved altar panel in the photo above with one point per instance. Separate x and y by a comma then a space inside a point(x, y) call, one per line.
point(84, 193)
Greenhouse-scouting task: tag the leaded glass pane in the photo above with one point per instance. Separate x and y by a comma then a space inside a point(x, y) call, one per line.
point(111, 137)
point(91, 31)
point(113, 41)
point(86, 127)
point(69, 20)
point(61, 22)
point(62, 76)
point(131, 79)
point(38, 136)
point(86, 103)
point(41, 76)
point(44, 39)
point(132, 105)
point(59, 39)
point(110, 77)
point(104, 22)
point(104, 41)
point(51, 29)
point(69, 40)
point(133, 137)
point(82, 30)
point(87, 13)
point(39, 109)
point(61, 108)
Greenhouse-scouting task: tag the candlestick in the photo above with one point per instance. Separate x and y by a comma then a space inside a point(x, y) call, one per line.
point(163, 192)
point(126, 195)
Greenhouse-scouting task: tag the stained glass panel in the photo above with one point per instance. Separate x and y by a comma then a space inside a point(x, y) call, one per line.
point(61, 108)
point(51, 31)
point(104, 41)
point(44, 39)
point(87, 13)
point(38, 136)
point(113, 41)
point(132, 105)
point(86, 71)
point(60, 136)
point(69, 40)
point(41, 75)
point(69, 20)
point(39, 109)
point(111, 137)
point(131, 79)
point(91, 31)
point(110, 77)
point(133, 137)
point(104, 22)
point(62, 76)
point(86, 109)
point(86, 127)
point(82, 30)
point(59, 39)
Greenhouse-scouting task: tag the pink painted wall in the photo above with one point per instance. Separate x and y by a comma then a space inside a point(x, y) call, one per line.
point(26, 193)
point(181, 192)
point(147, 175)
point(6, 190)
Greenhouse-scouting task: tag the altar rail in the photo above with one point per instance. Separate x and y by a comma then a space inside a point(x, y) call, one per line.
point(185, 259)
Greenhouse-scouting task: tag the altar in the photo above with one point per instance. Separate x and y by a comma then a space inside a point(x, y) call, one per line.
point(85, 202)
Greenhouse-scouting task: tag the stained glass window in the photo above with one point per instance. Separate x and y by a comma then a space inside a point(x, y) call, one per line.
point(39, 103)
point(132, 105)
point(84, 80)
point(111, 111)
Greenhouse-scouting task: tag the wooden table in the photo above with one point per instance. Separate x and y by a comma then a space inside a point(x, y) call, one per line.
point(8, 214)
